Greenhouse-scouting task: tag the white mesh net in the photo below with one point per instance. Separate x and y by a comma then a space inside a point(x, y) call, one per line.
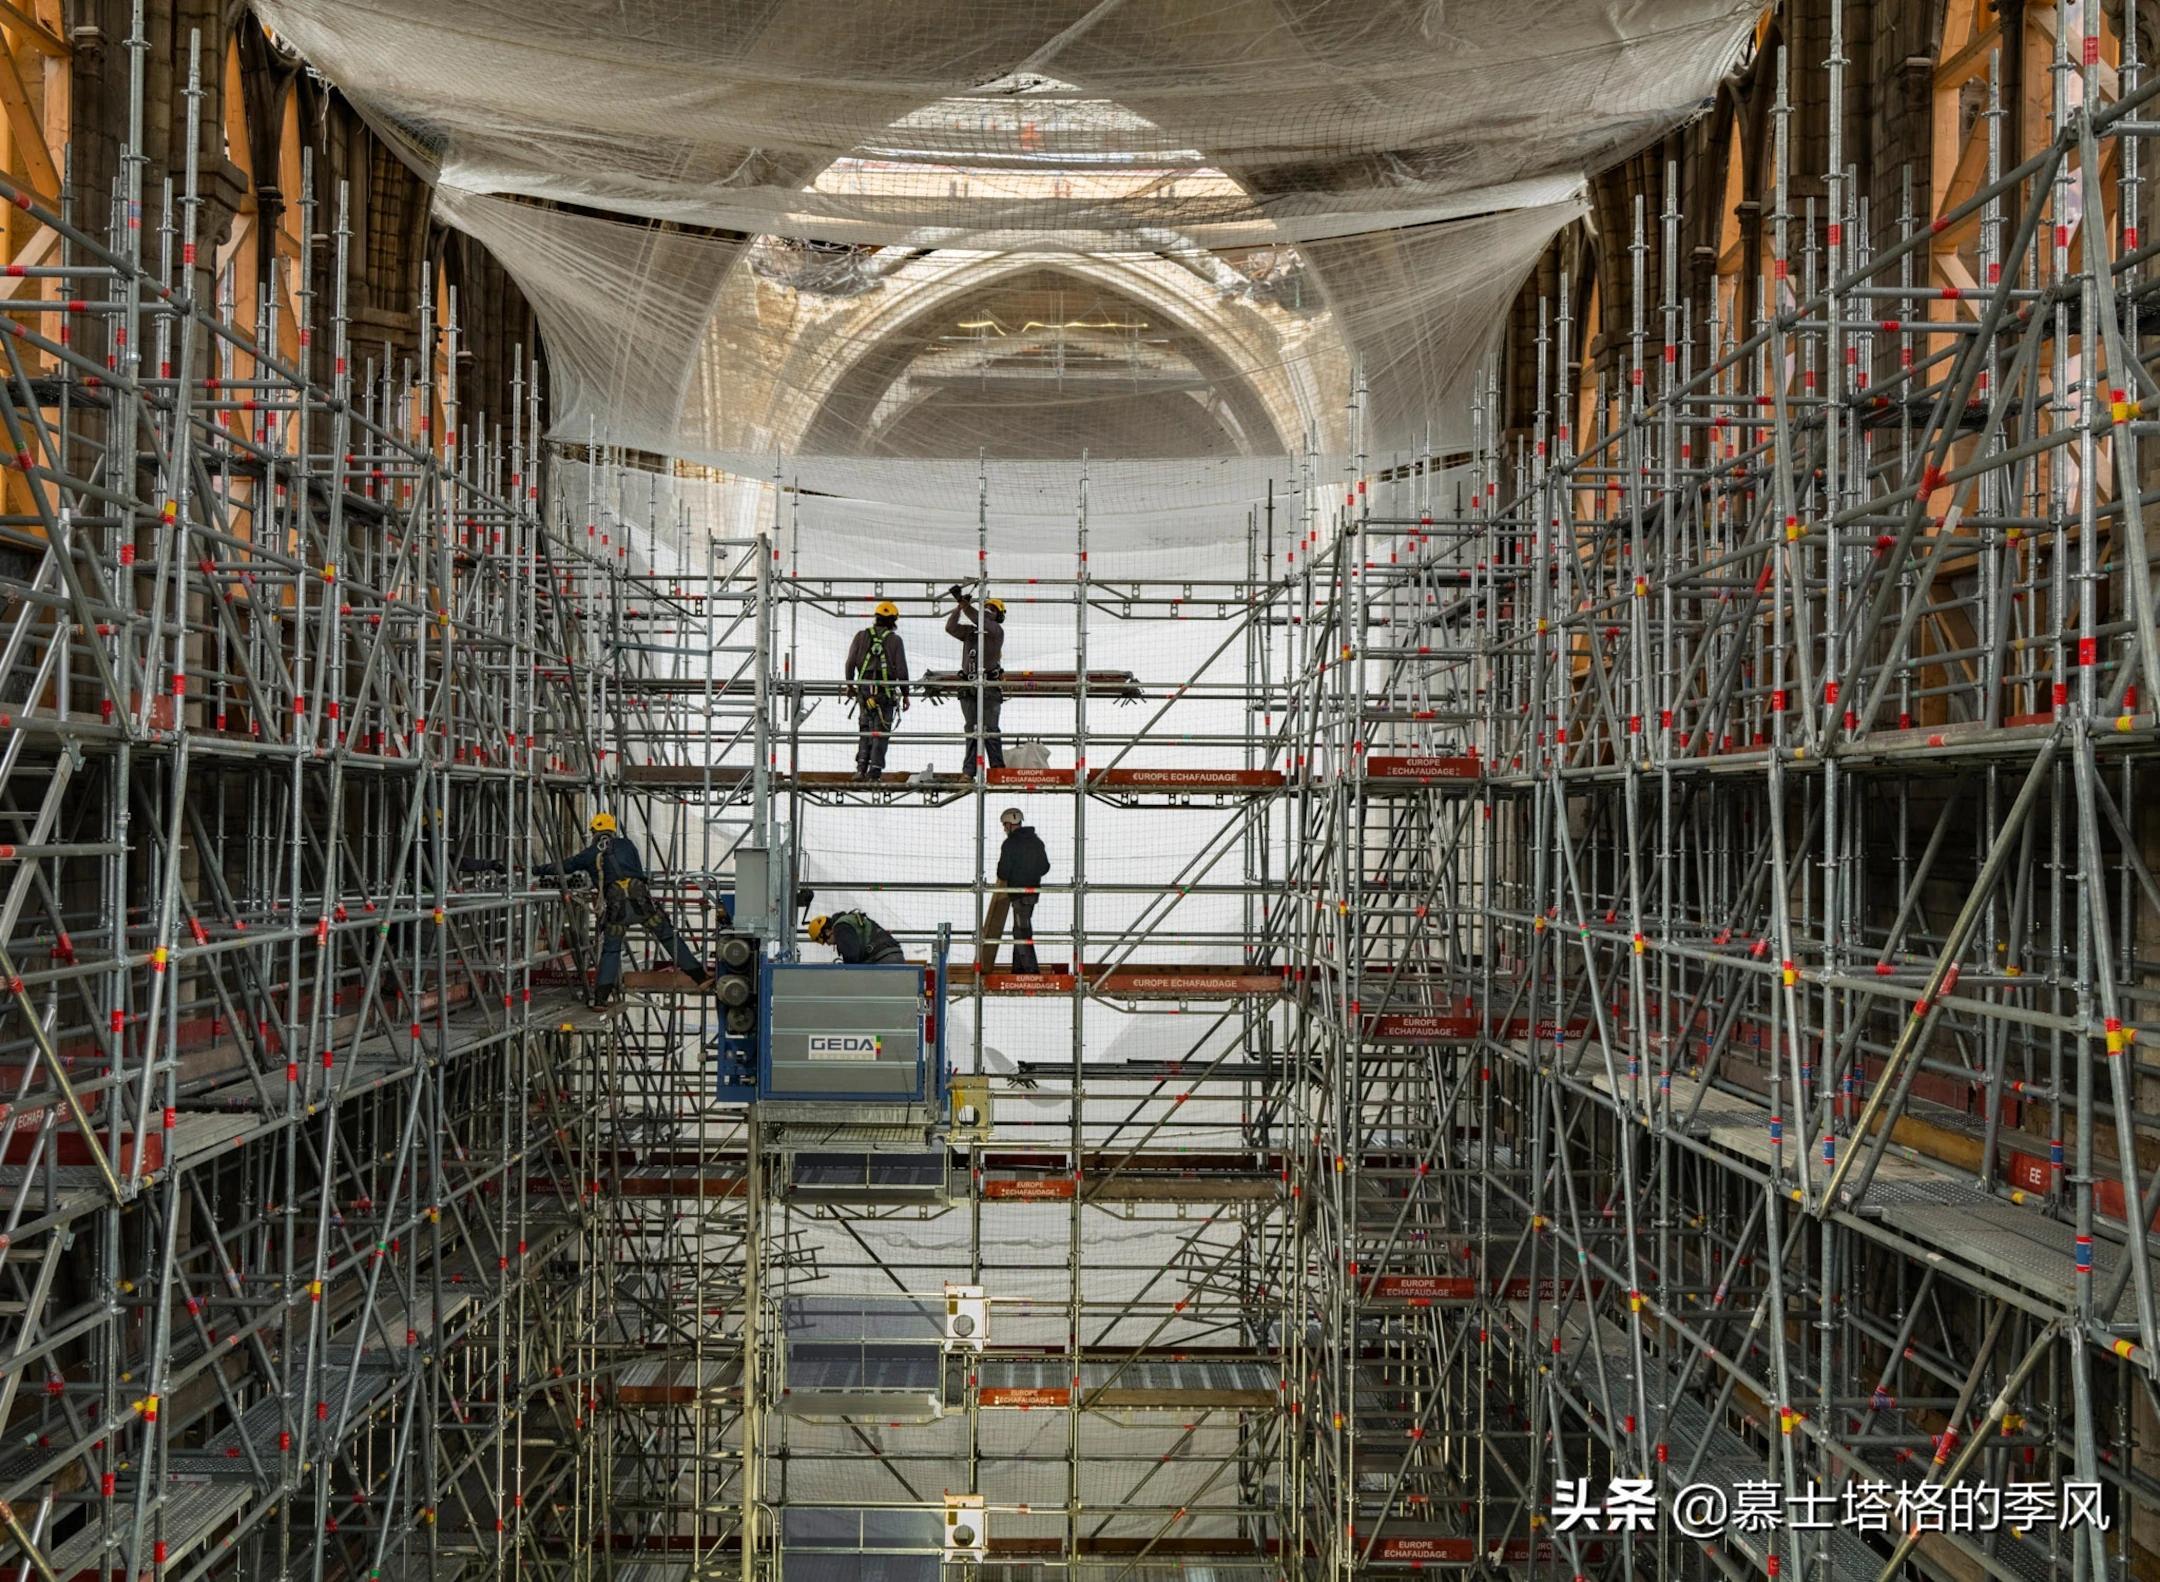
point(922, 521)
point(1070, 125)
point(668, 343)
point(1029, 229)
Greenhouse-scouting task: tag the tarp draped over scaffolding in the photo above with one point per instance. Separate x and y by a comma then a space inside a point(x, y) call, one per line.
point(1027, 228)
point(857, 517)
point(665, 343)
point(1240, 124)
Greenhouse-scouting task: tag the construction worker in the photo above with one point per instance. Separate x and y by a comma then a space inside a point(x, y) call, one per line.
point(1022, 865)
point(982, 654)
point(619, 872)
point(877, 687)
point(856, 937)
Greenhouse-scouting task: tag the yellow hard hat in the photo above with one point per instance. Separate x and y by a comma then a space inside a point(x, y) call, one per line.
point(815, 928)
point(602, 824)
point(994, 604)
point(887, 607)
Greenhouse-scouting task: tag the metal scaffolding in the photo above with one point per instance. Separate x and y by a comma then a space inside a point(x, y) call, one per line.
point(1815, 664)
point(1680, 1020)
point(1224, 1286)
point(1132, 1227)
point(296, 1271)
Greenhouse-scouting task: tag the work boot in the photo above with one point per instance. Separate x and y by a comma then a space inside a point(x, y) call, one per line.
point(1024, 959)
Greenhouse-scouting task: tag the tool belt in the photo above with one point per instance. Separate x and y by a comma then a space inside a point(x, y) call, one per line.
point(958, 683)
point(962, 681)
point(625, 899)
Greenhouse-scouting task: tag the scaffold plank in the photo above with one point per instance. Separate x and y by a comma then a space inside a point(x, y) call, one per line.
point(1123, 982)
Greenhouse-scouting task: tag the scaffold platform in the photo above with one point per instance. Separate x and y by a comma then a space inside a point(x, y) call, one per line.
point(1130, 786)
point(1122, 982)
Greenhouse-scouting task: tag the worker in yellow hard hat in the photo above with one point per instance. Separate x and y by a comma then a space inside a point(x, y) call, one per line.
point(877, 676)
point(625, 897)
point(982, 662)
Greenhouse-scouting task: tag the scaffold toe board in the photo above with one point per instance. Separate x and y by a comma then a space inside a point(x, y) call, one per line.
point(1239, 782)
point(1387, 770)
point(1122, 982)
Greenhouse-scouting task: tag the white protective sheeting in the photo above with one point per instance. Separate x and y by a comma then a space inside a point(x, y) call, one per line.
point(668, 343)
point(1157, 876)
point(1029, 229)
point(1242, 123)
point(921, 521)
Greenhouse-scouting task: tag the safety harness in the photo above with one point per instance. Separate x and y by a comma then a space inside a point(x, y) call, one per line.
point(875, 686)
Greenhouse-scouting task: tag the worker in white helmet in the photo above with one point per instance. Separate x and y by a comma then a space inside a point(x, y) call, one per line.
point(1023, 864)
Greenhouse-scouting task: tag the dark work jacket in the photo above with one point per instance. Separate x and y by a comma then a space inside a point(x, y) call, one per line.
point(887, 678)
point(1022, 862)
point(606, 860)
point(858, 938)
point(991, 643)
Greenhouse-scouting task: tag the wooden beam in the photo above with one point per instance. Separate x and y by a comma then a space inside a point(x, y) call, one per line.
point(29, 135)
point(37, 251)
point(34, 32)
point(243, 230)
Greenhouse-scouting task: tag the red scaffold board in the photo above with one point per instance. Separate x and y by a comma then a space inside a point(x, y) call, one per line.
point(1143, 779)
point(1425, 1287)
point(1035, 683)
point(1402, 1027)
point(69, 1149)
point(1420, 769)
point(1025, 1398)
point(1158, 983)
point(1430, 1550)
point(1456, 1027)
point(1440, 1549)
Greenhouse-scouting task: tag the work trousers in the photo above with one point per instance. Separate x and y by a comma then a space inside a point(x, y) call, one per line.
point(984, 741)
point(629, 901)
point(874, 735)
point(1021, 905)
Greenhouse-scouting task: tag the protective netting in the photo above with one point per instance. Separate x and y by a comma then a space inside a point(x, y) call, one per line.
point(909, 529)
point(1068, 125)
point(670, 343)
point(1023, 228)
point(918, 518)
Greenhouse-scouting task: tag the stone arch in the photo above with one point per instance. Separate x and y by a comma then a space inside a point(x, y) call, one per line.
point(1251, 426)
